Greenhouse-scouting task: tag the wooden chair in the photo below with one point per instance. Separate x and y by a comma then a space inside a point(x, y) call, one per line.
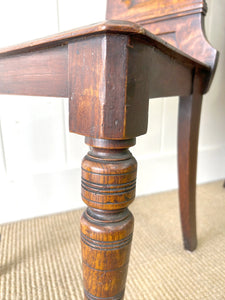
point(109, 71)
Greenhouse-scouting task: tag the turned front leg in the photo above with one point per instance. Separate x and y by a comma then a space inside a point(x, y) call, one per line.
point(108, 187)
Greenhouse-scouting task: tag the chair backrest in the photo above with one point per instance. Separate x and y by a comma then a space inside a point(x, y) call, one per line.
point(179, 22)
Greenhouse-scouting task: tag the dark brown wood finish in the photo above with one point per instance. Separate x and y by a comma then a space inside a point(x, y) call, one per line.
point(181, 24)
point(35, 73)
point(109, 94)
point(30, 68)
point(188, 129)
point(109, 71)
point(108, 187)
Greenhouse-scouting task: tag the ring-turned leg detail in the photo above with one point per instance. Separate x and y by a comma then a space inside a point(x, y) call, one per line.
point(108, 187)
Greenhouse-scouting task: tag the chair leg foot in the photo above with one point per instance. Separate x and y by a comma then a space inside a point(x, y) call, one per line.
point(191, 243)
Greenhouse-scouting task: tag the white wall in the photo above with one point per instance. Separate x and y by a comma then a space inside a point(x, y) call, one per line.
point(40, 159)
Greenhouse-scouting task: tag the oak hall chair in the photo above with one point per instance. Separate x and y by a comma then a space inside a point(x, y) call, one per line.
point(181, 24)
point(109, 71)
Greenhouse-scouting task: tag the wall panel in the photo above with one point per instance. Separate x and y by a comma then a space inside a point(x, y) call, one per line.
point(32, 134)
point(2, 157)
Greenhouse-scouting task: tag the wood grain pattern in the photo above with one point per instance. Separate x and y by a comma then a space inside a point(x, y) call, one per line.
point(108, 26)
point(109, 71)
point(39, 73)
point(109, 93)
point(41, 67)
point(188, 130)
point(145, 11)
point(108, 187)
point(97, 101)
point(190, 38)
point(180, 23)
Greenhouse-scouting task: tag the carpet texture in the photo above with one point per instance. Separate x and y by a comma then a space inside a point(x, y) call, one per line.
point(40, 258)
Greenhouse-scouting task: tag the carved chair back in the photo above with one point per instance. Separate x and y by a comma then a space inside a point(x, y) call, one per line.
point(178, 22)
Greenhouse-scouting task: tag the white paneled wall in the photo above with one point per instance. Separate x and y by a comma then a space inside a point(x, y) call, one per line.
point(40, 159)
point(212, 137)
